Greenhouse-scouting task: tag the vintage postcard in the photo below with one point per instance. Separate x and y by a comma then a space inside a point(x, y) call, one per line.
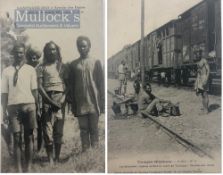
point(164, 86)
point(52, 86)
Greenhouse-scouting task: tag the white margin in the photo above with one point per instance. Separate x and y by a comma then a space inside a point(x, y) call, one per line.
point(106, 111)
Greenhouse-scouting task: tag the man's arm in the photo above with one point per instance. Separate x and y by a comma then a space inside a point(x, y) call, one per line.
point(41, 90)
point(131, 99)
point(67, 82)
point(98, 75)
point(161, 100)
point(35, 95)
point(5, 93)
point(4, 102)
point(207, 67)
point(46, 97)
point(164, 101)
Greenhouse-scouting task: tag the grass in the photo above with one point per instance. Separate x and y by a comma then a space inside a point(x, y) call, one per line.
point(72, 160)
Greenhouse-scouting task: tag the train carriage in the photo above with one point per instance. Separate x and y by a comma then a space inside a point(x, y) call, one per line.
point(172, 48)
point(201, 32)
point(163, 50)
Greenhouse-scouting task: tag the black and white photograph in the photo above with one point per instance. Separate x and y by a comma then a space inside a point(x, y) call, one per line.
point(164, 86)
point(52, 86)
point(111, 86)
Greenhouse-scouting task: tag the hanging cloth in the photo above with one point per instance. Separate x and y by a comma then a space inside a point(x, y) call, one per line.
point(15, 77)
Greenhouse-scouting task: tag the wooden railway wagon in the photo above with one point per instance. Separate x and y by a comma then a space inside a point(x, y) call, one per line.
point(113, 64)
point(172, 48)
point(163, 50)
point(201, 31)
point(134, 58)
point(131, 54)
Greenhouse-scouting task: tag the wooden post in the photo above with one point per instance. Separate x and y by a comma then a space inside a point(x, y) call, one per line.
point(142, 63)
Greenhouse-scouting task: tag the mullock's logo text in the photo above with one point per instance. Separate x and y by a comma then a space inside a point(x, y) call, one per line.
point(47, 18)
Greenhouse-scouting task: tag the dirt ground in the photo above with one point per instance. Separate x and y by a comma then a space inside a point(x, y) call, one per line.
point(136, 145)
point(72, 161)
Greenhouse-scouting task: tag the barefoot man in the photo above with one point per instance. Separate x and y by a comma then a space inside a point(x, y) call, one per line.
point(201, 83)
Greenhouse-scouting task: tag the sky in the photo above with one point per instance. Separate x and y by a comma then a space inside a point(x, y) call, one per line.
point(124, 19)
point(91, 25)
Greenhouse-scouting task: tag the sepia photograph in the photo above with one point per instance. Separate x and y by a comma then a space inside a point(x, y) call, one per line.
point(52, 86)
point(164, 86)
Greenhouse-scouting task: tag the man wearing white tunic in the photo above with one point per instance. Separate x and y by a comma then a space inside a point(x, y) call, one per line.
point(201, 83)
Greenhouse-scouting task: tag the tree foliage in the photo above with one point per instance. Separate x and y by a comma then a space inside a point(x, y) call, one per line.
point(9, 35)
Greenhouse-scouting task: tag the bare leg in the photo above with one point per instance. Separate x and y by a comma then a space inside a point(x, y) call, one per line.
point(152, 105)
point(49, 151)
point(47, 126)
point(28, 137)
point(58, 135)
point(205, 101)
point(125, 89)
point(120, 87)
point(18, 151)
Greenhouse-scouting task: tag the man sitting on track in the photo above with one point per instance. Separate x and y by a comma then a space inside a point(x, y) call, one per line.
point(144, 100)
point(141, 100)
point(131, 102)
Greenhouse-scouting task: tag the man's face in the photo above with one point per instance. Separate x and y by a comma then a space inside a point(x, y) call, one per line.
point(83, 48)
point(137, 88)
point(51, 52)
point(34, 60)
point(148, 89)
point(19, 54)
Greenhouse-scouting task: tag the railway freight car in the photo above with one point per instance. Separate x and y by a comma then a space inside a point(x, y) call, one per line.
point(178, 42)
point(113, 63)
point(163, 50)
point(172, 49)
point(201, 32)
point(129, 53)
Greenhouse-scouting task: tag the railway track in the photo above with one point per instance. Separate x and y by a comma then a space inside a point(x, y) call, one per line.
point(188, 145)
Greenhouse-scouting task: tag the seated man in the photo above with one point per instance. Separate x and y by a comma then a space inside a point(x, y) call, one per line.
point(158, 106)
point(136, 102)
point(150, 101)
point(144, 100)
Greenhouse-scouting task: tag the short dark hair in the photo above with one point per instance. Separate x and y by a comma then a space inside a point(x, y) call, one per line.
point(30, 51)
point(85, 38)
point(136, 83)
point(146, 84)
point(18, 45)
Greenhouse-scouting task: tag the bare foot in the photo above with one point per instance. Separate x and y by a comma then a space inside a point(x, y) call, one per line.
point(51, 163)
point(19, 169)
point(29, 169)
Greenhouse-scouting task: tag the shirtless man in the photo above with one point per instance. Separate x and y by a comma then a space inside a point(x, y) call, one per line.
point(201, 83)
point(142, 99)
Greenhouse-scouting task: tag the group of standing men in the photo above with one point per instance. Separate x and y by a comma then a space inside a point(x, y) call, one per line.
point(37, 93)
